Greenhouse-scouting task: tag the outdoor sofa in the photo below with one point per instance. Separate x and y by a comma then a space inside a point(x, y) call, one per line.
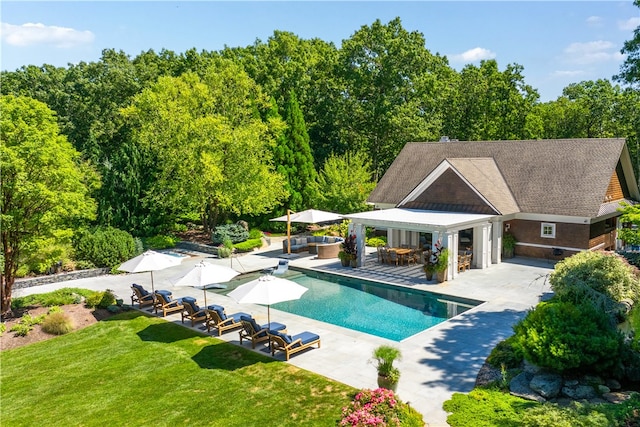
point(312, 244)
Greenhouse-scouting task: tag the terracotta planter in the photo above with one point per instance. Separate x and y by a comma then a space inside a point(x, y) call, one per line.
point(441, 276)
point(384, 382)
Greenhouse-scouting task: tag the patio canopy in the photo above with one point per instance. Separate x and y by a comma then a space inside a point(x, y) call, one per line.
point(419, 220)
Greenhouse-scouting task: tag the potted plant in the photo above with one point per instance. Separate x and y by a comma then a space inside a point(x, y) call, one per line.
point(508, 245)
point(349, 251)
point(442, 265)
point(383, 358)
point(429, 264)
point(345, 258)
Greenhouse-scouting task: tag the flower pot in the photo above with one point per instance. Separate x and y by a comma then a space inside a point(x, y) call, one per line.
point(441, 276)
point(384, 382)
point(429, 275)
point(345, 262)
point(354, 263)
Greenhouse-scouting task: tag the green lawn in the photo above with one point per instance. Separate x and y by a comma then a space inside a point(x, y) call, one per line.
point(136, 370)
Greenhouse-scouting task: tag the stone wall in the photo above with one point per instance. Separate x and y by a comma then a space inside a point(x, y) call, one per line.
point(197, 247)
point(60, 277)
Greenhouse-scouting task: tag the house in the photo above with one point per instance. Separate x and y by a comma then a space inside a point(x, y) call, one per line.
point(556, 197)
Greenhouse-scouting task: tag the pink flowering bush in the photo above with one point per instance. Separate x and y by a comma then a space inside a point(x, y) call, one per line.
point(379, 407)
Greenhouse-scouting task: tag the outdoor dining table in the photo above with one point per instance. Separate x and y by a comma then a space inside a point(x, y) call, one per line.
point(401, 252)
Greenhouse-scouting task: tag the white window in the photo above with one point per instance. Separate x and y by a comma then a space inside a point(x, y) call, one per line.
point(548, 230)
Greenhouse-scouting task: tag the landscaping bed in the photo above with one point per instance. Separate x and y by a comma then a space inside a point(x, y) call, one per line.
point(81, 317)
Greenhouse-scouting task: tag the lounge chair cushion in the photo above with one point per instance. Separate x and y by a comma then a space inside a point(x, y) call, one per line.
point(286, 338)
point(165, 294)
point(218, 309)
point(192, 302)
point(142, 290)
point(253, 323)
point(306, 337)
point(237, 316)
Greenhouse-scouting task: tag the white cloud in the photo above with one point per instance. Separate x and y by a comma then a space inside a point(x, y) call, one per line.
point(474, 55)
point(39, 34)
point(592, 52)
point(594, 21)
point(630, 24)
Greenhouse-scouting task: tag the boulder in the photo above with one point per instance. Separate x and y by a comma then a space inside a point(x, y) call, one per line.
point(616, 397)
point(547, 385)
point(530, 368)
point(602, 389)
point(519, 386)
point(579, 392)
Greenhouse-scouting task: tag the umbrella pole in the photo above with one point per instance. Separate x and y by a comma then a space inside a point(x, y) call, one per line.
point(268, 316)
point(204, 289)
point(288, 231)
point(152, 288)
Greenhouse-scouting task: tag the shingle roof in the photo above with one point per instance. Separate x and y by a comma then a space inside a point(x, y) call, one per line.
point(484, 175)
point(558, 177)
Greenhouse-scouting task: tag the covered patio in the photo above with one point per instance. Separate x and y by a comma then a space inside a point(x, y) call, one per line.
point(479, 233)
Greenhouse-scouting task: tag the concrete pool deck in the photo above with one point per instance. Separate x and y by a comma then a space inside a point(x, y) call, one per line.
point(436, 362)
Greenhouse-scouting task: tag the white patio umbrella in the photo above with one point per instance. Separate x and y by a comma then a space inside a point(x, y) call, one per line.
point(205, 275)
point(267, 290)
point(150, 261)
point(309, 216)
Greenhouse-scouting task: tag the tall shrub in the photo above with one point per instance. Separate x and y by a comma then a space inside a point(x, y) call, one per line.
point(595, 277)
point(564, 336)
point(104, 247)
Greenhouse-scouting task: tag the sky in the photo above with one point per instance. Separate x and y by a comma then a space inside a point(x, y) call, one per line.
point(557, 43)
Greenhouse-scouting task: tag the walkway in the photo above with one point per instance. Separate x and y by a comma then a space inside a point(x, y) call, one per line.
point(436, 363)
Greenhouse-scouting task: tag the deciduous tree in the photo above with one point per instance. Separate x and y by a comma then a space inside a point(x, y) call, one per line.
point(211, 149)
point(345, 183)
point(44, 186)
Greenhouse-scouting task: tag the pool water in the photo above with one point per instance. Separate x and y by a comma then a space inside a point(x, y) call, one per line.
point(387, 311)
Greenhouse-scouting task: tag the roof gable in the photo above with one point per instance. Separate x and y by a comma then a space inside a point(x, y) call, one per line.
point(557, 177)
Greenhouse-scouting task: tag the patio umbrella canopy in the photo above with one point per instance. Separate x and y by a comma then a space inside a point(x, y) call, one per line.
point(267, 290)
point(310, 216)
point(205, 275)
point(150, 261)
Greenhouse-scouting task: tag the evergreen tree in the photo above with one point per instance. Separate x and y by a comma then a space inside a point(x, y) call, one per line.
point(294, 159)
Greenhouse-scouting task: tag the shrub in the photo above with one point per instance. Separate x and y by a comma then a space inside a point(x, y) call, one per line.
point(485, 407)
point(599, 278)
point(234, 232)
point(254, 233)
point(248, 245)
point(564, 336)
point(26, 323)
point(161, 242)
point(62, 296)
point(577, 415)
point(84, 265)
point(507, 353)
point(57, 323)
point(104, 247)
point(54, 309)
point(379, 407)
point(101, 299)
point(376, 241)
point(3, 328)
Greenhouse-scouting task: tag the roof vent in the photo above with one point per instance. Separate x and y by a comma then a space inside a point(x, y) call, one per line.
point(444, 139)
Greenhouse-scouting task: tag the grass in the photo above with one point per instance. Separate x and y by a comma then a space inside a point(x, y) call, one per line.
point(137, 370)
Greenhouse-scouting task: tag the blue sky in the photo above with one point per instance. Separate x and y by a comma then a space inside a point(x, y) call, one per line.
point(558, 43)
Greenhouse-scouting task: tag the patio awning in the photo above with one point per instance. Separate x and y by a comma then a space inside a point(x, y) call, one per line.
point(419, 220)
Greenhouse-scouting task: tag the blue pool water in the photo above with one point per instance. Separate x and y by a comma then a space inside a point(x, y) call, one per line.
point(386, 311)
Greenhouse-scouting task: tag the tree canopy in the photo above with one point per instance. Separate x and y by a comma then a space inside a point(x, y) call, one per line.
point(44, 185)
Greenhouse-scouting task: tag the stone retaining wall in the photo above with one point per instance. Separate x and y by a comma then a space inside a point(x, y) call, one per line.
point(60, 277)
point(191, 246)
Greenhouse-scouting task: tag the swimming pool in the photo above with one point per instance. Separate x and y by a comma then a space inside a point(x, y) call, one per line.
point(387, 311)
